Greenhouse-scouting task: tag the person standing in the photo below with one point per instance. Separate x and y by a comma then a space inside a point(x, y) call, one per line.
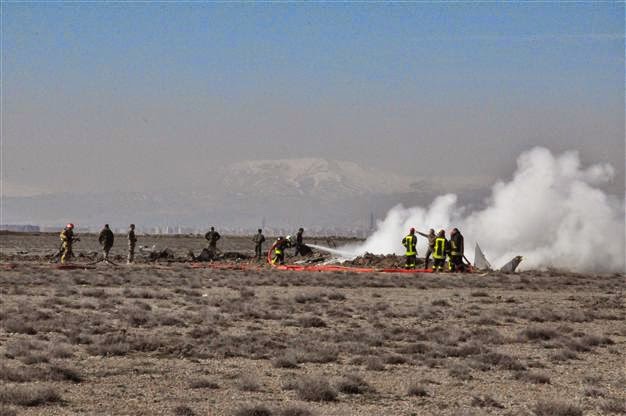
point(212, 236)
point(258, 240)
point(440, 251)
point(67, 240)
point(409, 242)
point(106, 239)
point(431, 245)
point(456, 251)
point(132, 241)
point(299, 243)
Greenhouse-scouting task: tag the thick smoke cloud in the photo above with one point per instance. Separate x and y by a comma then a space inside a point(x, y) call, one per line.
point(551, 212)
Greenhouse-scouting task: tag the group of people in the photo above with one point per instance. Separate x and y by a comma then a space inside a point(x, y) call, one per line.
point(106, 239)
point(439, 247)
point(277, 249)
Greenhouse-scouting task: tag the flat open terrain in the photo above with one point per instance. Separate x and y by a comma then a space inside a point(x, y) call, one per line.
point(167, 339)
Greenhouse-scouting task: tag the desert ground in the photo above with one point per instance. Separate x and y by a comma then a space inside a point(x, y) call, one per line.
point(163, 338)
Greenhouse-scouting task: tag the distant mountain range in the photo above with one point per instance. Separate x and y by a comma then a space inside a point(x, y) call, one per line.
point(289, 192)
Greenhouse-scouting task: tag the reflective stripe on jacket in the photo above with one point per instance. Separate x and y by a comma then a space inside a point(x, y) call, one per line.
point(440, 248)
point(409, 243)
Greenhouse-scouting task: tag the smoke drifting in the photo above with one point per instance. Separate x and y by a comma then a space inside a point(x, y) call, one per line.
point(551, 212)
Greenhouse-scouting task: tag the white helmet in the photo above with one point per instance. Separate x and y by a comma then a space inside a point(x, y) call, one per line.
point(289, 238)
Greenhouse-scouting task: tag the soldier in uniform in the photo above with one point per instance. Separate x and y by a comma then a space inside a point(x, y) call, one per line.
point(67, 239)
point(106, 239)
point(258, 240)
point(212, 236)
point(132, 241)
point(299, 243)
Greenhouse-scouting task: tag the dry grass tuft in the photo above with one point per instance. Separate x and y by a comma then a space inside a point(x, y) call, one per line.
point(440, 302)
point(501, 361)
point(7, 411)
point(556, 408)
point(532, 377)
point(374, 364)
point(417, 390)
point(254, 410)
point(486, 401)
point(564, 355)
point(613, 406)
point(311, 322)
point(460, 371)
point(33, 395)
point(288, 360)
point(315, 389)
point(59, 373)
point(394, 359)
point(18, 326)
point(538, 334)
point(248, 382)
point(294, 411)
point(20, 374)
point(203, 383)
point(183, 411)
point(590, 391)
point(353, 384)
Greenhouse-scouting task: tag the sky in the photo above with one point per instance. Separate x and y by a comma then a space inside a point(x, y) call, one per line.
point(107, 97)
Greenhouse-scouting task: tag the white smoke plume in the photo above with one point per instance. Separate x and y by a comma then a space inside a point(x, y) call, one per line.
point(551, 212)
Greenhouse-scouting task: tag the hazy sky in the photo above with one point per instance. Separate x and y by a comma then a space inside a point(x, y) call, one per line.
point(102, 97)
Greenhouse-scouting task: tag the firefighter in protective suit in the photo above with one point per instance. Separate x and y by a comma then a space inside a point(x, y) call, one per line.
point(279, 247)
point(67, 239)
point(410, 242)
point(440, 252)
point(456, 251)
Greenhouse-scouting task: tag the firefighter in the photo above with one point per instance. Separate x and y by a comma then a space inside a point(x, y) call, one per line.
point(456, 251)
point(106, 239)
point(409, 242)
point(67, 239)
point(132, 241)
point(440, 251)
point(258, 240)
point(431, 245)
point(279, 247)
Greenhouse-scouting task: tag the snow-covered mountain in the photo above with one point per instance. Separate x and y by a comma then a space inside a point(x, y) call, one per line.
point(284, 192)
point(310, 177)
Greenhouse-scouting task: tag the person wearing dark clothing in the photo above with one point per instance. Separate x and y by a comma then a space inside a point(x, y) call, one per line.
point(212, 236)
point(67, 240)
point(132, 241)
point(410, 242)
point(456, 251)
point(431, 245)
point(258, 240)
point(440, 251)
point(279, 247)
point(106, 240)
point(299, 243)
